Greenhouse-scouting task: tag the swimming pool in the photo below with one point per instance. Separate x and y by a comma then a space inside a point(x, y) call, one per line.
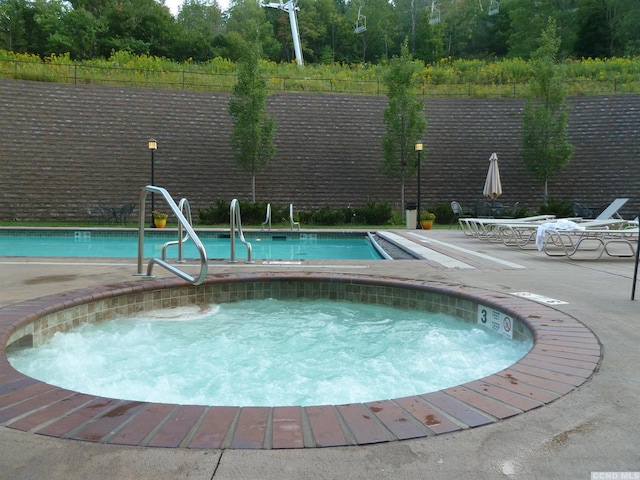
point(124, 244)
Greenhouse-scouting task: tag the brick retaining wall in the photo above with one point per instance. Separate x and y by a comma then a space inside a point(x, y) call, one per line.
point(62, 146)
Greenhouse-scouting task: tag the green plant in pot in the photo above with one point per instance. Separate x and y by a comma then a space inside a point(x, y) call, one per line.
point(159, 218)
point(426, 220)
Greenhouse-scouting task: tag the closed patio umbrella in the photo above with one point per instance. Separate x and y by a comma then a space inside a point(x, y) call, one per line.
point(492, 185)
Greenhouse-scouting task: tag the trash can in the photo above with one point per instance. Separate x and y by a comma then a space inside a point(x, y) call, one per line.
point(411, 214)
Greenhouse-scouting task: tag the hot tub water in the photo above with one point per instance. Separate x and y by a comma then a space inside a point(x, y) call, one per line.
point(270, 352)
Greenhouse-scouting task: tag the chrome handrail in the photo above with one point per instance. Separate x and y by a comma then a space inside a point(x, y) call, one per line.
point(185, 208)
point(234, 213)
point(267, 220)
point(182, 220)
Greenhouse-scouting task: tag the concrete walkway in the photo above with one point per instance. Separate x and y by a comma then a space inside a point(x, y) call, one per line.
point(594, 429)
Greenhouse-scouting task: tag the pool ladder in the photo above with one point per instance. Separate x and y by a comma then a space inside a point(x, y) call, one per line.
point(183, 223)
point(236, 224)
point(185, 208)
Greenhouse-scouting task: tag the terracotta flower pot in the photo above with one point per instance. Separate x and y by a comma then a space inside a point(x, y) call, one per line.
point(426, 224)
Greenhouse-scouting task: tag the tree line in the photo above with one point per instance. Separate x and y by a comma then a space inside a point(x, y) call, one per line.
point(350, 32)
point(546, 148)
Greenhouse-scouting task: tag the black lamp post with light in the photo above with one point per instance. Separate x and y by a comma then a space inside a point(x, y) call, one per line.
point(418, 149)
point(153, 146)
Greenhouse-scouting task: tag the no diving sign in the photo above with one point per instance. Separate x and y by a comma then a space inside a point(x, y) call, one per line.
point(495, 320)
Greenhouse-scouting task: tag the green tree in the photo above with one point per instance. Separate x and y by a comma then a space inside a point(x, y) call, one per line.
point(529, 19)
point(403, 118)
point(200, 24)
point(252, 137)
point(380, 41)
point(140, 27)
point(545, 144)
point(594, 37)
point(248, 24)
point(346, 45)
point(623, 18)
point(13, 29)
point(45, 21)
point(77, 35)
point(429, 43)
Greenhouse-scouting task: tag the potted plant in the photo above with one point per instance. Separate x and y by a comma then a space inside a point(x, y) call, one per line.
point(159, 219)
point(426, 220)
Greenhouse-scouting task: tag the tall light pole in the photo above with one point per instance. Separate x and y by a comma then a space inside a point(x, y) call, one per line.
point(418, 149)
point(153, 146)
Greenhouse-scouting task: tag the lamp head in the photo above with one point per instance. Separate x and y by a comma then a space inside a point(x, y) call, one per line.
point(153, 145)
point(418, 147)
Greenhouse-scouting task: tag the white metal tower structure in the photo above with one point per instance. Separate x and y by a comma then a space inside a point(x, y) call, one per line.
point(291, 8)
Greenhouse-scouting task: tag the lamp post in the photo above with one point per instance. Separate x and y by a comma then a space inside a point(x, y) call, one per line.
point(153, 146)
point(418, 149)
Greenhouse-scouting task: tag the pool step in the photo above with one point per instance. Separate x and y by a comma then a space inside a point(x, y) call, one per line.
point(420, 251)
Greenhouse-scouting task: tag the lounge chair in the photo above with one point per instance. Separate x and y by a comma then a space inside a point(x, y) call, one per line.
point(125, 212)
point(458, 213)
point(92, 216)
point(615, 237)
point(510, 212)
point(483, 209)
point(612, 209)
point(591, 243)
point(582, 211)
point(491, 228)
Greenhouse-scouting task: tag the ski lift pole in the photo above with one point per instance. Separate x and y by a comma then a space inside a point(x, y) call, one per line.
point(295, 34)
point(290, 8)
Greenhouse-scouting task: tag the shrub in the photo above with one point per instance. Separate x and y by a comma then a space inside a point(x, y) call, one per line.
point(560, 208)
point(254, 214)
point(444, 214)
point(323, 216)
point(219, 213)
point(373, 214)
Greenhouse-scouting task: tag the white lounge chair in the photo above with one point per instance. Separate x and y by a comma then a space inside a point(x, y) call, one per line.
point(610, 211)
point(591, 243)
point(490, 228)
point(616, 238)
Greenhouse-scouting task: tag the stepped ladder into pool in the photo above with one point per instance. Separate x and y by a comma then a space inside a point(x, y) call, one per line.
point(236, 224)
point(185, 208)
point(183, 222)
point(267, 220)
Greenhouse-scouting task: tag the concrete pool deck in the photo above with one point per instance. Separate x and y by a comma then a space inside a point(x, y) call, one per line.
point(594, 428)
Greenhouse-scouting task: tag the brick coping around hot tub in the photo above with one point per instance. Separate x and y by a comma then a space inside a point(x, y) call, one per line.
point(565, 354)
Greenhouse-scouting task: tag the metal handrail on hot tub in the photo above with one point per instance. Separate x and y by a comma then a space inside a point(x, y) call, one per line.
point(185, 208)
point(184, 223)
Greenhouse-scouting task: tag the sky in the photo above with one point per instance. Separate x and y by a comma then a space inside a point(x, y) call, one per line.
point(174, 5)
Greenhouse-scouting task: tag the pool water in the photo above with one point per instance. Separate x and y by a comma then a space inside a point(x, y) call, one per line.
point(292, 246)
point(270, 353)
